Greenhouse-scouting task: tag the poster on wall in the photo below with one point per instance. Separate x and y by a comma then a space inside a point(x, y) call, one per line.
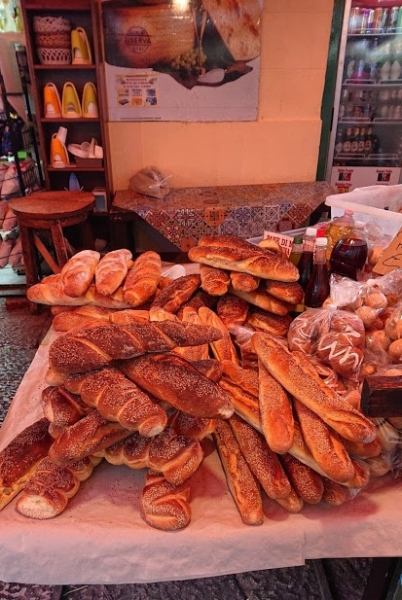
point(183, 60)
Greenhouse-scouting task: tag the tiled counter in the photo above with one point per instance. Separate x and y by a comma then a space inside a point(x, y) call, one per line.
point(186, 214)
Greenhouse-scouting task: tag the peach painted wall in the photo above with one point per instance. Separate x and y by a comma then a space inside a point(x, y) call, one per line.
point(280, 146)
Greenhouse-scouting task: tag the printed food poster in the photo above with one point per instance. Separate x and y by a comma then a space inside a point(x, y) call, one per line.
point(184, 60)
point(346, 179)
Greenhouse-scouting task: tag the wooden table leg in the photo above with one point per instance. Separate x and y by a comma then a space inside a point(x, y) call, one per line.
point(30, 256)
point(59, 243)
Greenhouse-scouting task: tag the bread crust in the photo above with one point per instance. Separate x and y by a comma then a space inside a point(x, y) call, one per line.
point(142, 279)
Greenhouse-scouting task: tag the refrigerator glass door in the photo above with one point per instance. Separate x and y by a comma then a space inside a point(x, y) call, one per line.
point(366, 137)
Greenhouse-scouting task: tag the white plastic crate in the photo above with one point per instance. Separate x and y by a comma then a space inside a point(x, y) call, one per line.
point(376, 203)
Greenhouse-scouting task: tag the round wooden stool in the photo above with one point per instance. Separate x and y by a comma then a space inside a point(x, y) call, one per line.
point(51, 211)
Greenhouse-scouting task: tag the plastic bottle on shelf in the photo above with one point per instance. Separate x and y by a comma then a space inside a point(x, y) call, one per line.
point(318, 288)
point(297, 249)
point(305, 265)
point(349, 254)
point(338, 228)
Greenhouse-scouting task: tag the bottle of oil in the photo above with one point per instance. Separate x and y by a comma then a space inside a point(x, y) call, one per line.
point(318, 289)
point(297, 249)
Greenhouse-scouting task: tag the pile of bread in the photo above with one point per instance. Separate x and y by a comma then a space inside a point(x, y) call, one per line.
point(145, 368)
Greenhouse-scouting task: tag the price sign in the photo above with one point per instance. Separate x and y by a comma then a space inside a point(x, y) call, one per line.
point(392, 256)
point(285, 241)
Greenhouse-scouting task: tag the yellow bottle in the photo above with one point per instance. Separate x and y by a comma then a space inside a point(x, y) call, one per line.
point(337, 228)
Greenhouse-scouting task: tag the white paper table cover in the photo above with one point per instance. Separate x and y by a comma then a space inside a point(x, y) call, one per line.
point(102, 539)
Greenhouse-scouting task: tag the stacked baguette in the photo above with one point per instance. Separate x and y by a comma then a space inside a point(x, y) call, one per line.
point(143, 383)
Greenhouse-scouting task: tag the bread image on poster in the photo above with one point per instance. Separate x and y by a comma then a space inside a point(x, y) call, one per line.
point(197, 42)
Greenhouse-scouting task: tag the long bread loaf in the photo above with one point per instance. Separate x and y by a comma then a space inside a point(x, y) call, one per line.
point(78, 273)
point(111, 271)
point(170, 378)
point(177, 292)
point(96, 346)
point(288, 369)
point(164, 505)
point(142, 279)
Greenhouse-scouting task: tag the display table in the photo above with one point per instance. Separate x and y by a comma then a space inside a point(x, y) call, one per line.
point(186, 214)
point(101, 537)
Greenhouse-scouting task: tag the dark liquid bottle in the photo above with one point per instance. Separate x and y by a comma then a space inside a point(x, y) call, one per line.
point(318, 288)
point(350, 253)
point(305, 265)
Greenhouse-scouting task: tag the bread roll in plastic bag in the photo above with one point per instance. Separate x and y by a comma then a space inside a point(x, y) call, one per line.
point(334, 336)
point(151, 182)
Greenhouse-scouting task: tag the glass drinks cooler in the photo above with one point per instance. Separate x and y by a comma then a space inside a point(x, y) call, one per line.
point(366, 137)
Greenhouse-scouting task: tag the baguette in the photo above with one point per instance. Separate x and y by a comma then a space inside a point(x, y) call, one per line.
point(129, 315)
point(254, 261)
point(119, 400)
point(291, 292)
point(111, 271)
point(336, 494)
point(174, 456)
point(97, 346)
point(292, 503)
point(164, 505)
point(192, 427)
point(78, 317)
point(192, 353)
point(47, 493)
point(305, 385)
point(177, 293)
point(142, 279)
point(62, 408)
point(89, 435)
point(276, 412)
point(222, 349)
point(243, 282)
point(174, 380)
point(324, 444)
point(262, 299)
point(266, 321)
point(214, 281)
point(262, 461)
point(308, 484)
point(51, 292)
point(242, 484)
point(78, 273)
point(18, 460)
point(242, 396)
point(232, 310)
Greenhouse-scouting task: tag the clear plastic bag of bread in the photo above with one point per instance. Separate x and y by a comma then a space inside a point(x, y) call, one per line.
point(333, 335)
point(151, 182)
point(377, 242)
point(370, 300)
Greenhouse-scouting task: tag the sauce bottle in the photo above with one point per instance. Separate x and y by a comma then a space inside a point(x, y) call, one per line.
point(318, 288)
point(350, 253)
point(297, 249)
point(338, 228)
point(305, 265)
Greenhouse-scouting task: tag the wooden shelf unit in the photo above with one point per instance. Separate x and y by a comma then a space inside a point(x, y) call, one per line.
point(80, 13)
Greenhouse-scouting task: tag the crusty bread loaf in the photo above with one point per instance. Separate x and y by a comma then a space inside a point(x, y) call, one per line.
point(241, 482)
point(324, 444)
point(50, 488)
point(51, 292)
point(18, 460)
point(192, 427)
point(214, 281)
point(78, 317)
point(142, 279)
point(336, 494)
point(308, 484)
point(222, 349)
point(262, 461)
point(164, 505)
point(262, 299)
point(209, 367)
point(172, 379)
point(63, 408)
point(292, 503)
point(241, 385)
point(96, 346)
point(111, 271)
point(288, 291)
point(119, 400)
point(360, 450)
point(276, 412)
point(177, 292)
point(89, 435)
point(78, 273)
point(264, 320)
point(288, 368)
point(254, 261)
point(244, 282)
point(128, 315)
point(232, 310)
point(192, 353)
point(176, 457)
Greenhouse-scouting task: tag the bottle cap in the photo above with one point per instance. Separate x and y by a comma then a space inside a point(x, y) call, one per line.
point(321, 242)
point(311, 231)
point(349, 212)
point(298, 240)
